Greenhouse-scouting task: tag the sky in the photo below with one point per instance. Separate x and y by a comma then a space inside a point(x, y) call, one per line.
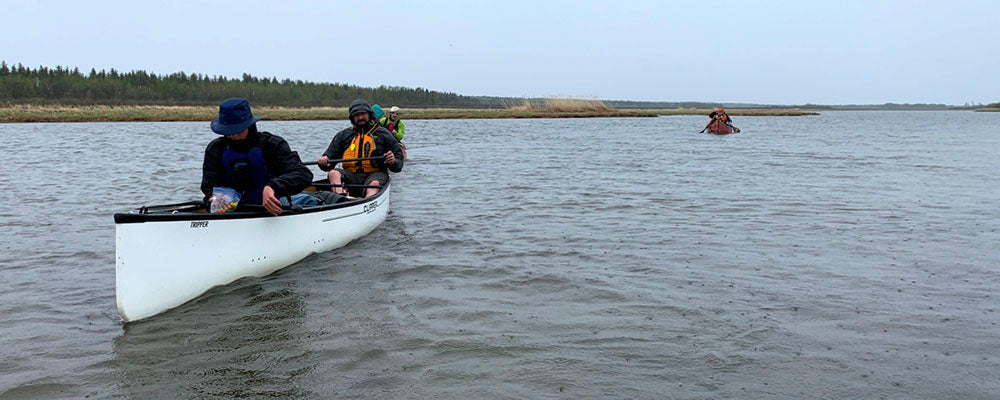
point(773, 52)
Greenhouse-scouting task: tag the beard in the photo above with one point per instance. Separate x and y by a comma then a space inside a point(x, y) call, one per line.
point(244, 145)
point(363, 125)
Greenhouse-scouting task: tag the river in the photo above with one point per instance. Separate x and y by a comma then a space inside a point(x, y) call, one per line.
point(845, 255)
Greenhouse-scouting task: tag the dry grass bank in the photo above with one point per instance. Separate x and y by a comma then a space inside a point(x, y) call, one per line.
point(30, 113)
point(554, 108)
point(744, 112)
point(560, 104)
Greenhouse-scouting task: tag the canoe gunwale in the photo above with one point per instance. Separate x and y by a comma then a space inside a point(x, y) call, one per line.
point(177, 257)
point(718, 128)
point(142, 214)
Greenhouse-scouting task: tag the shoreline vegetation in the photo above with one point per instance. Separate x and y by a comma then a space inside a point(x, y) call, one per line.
point(59, 113)
point(66, 94)
point(994, 107)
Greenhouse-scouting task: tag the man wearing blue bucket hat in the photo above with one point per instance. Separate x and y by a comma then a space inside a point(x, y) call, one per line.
point(258, 165)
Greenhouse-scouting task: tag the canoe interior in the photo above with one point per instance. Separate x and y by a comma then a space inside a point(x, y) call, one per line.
point(195, 210)
point(172, 254)
point(719, 128)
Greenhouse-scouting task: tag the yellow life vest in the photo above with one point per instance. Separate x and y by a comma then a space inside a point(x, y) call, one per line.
point(362, 145)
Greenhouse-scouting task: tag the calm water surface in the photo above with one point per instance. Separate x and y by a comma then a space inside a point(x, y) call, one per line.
point(847, 255)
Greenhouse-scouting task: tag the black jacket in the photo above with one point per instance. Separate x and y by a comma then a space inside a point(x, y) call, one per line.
point(384, 141)
point(288, 175)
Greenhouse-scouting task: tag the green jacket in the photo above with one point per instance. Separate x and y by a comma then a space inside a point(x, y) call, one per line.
point(396, 129)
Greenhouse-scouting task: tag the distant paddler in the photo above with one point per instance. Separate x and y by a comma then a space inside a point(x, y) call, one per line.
point(719, 116)
point(364, 139)
point(394, 124)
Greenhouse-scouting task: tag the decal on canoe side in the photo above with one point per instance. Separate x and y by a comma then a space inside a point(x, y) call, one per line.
point(371, 207)
point(199, 224)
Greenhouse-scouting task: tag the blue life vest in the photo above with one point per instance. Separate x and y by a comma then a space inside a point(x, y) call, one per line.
point(247, 173)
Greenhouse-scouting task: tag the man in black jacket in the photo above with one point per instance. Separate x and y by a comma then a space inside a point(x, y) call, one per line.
point(365, 138)
point(259, 165)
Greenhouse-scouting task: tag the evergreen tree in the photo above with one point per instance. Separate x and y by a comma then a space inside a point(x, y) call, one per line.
point(66, 85)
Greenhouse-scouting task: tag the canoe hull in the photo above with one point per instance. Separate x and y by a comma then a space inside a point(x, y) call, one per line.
point(719, 128)
point(163, 264)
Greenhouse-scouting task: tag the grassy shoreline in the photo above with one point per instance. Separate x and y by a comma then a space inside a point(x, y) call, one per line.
point(35, 113)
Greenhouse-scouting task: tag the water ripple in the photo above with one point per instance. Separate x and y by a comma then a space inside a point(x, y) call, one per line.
point(819, 257)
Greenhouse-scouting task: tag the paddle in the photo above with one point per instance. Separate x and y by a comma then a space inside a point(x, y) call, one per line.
point(257, 207)
point(730, 123)
point(709, 123)
point(332, 162)
point(706, 126)
point(330, 185)
point(735, 129)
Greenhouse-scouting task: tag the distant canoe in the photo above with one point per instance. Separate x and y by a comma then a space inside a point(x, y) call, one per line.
point(719, 128)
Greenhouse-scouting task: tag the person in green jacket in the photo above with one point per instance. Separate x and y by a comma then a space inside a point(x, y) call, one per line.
point(395, 125)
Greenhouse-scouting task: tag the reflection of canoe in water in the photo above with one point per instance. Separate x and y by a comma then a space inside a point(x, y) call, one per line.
point(168, 255)
point(719, 128)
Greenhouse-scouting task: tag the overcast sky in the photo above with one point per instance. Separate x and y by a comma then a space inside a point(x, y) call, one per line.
point(778, 52)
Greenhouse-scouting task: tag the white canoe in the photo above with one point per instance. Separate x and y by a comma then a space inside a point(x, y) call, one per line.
point(168, 255)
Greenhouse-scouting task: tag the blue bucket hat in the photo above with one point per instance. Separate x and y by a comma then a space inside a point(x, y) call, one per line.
point(234, 117)
point(377, 109)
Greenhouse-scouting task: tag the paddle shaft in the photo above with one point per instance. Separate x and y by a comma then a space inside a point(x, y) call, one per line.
point(330, 185)
point(735, 129)
point(332, 162)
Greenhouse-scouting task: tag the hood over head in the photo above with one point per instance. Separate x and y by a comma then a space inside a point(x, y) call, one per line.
point(359, 106)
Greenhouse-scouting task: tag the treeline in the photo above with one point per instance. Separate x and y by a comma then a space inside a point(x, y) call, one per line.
point(663, 104)
point(892, 106)
point(692, 104)
point(807, 106)
point(870, 107)
point(70, 86)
